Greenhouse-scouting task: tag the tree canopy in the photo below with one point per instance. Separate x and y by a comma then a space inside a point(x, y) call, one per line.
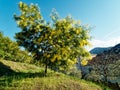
point(9, 50)
point(56, 44)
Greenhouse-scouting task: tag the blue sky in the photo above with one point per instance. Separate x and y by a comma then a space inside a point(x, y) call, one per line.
point(104, 15)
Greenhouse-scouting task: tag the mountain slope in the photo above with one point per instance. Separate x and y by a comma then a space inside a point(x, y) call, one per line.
point(30, 77)
point(110, 56)
point(107, 65)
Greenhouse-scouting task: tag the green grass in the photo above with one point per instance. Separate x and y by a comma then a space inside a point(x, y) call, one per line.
point(22, 76)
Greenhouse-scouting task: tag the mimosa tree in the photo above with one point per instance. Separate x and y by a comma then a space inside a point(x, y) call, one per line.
point(55, 44)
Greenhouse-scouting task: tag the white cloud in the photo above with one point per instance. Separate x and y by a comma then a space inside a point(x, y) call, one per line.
point(110, 39)
point(113, 32)
point(105, 43)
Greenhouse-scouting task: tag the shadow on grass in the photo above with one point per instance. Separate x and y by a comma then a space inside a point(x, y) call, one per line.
point(7, 75)
point(5, 70)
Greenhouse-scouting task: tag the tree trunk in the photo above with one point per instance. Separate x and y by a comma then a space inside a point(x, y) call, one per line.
point(105, 77)
point(45, 69)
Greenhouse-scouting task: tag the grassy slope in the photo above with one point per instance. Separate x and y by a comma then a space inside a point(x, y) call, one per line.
point(21, 76)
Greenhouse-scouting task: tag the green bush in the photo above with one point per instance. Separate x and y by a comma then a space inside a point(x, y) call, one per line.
point(9, 50)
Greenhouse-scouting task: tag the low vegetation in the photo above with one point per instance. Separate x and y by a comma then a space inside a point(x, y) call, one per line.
point(9, 50)
point(22, 76)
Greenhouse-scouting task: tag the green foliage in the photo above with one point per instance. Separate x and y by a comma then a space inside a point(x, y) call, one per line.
point(56, 44)
point(10, 50)
point(75, 73)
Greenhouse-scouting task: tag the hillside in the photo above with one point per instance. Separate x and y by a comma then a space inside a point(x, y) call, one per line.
point(111, 54)
point(107, 66)
point(21, 76)
point(99, 50)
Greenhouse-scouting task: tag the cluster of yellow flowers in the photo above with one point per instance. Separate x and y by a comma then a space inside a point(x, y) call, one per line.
point(56, 57)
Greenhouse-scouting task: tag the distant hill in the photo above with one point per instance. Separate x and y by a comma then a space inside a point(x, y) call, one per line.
point(99, 50)
point(115, 49)
point(112, 54)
